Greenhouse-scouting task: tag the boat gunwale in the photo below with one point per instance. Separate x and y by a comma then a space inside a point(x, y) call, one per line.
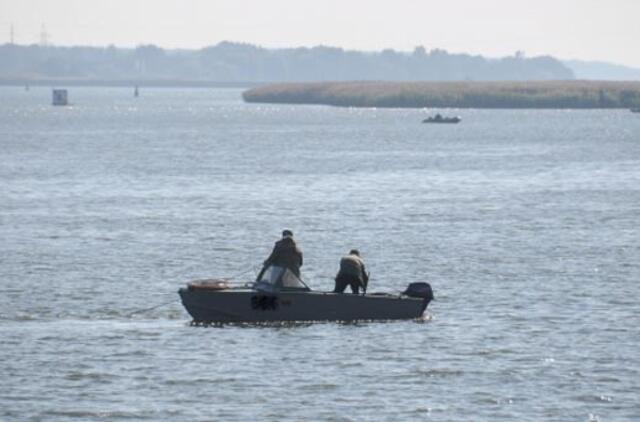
point(381, 295)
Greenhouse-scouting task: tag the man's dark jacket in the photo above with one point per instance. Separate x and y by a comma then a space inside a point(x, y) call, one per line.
point(286, 254)
point(352, 268)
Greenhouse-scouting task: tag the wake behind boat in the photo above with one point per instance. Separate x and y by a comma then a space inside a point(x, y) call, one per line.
point(280, 296)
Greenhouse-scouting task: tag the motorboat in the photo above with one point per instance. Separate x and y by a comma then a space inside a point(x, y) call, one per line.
point(280, 296)
point(439, 119)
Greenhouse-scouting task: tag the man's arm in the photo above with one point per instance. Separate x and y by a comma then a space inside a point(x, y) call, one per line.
point(365, 278)
point(272, 256)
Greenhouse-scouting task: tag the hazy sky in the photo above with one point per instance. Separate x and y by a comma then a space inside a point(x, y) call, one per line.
point(606, 30)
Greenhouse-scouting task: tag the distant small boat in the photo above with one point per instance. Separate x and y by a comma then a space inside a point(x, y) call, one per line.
point(439, 119)
point(135, 92)
point(635, 110)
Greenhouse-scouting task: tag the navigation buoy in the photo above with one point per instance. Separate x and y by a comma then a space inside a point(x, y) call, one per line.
point(60, 97)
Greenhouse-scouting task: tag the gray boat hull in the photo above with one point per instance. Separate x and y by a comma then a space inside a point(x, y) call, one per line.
point(452, 120)
point(246, 305)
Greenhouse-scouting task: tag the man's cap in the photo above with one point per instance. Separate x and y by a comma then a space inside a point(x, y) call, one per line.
point(287, 233)
point(354, 252)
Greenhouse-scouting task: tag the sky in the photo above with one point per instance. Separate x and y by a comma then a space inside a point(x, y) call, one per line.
point(567, 29)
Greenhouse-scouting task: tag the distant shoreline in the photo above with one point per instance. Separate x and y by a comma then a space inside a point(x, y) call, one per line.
point(158, 83)
point(569, 94)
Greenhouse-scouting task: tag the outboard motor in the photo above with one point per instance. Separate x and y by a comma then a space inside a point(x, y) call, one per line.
point(420, 290)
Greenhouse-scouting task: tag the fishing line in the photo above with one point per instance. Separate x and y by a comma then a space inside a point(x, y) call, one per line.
point(175, 300)
point(239, 274)
point(152, 308)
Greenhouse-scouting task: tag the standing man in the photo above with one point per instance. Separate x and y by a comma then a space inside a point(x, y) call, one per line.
point(285, 253)
point(352, 273)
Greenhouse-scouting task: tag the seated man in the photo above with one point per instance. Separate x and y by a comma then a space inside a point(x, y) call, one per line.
point(285, 254)
point(352, 273)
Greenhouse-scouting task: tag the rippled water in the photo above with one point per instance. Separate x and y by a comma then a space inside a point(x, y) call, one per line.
point(525, 223)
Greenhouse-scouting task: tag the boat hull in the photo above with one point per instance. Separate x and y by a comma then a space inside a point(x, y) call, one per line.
point(245, 305)
point(453, 120)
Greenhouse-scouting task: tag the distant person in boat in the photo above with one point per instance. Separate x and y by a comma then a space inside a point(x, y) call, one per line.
point(286, 253)
point(352, 273)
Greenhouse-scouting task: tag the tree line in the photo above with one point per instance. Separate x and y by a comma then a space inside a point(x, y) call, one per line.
point(238, 62)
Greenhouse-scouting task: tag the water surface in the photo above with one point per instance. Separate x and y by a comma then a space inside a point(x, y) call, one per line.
point(524, 222)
